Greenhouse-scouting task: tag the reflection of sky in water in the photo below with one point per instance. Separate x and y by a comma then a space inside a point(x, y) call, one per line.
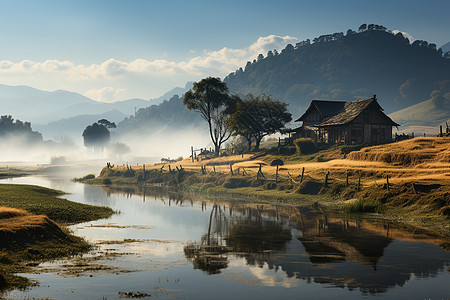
point(403, 269)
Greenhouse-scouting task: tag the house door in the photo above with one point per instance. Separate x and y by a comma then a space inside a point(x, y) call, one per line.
point(374, 136)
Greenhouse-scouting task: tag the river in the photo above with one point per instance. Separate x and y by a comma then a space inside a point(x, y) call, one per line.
point(189, 247)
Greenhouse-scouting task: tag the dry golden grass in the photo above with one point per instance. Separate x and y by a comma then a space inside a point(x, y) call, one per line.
point(408, 152)
point(8, 212)
point(19, 226)
point(419, 159)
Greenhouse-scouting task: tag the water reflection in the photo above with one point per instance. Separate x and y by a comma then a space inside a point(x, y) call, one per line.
point(244, 245)
point(372, 255)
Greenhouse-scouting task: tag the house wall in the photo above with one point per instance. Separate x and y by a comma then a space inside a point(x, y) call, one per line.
point(370, 127)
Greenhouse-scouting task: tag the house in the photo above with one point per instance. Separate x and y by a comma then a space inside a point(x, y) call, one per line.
point(346, 122)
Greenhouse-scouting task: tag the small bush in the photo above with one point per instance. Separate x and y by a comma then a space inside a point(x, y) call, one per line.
point(305, 146)
point(276, 162)
point(89, 176)
point(235, 182)
point(271, 185)
point(361, 205)
point(106, 181)
point(309, 187)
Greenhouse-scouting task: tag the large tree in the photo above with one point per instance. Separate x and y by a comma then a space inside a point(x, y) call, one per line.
point(97, 135)
point(258, 116)
point(211, 99)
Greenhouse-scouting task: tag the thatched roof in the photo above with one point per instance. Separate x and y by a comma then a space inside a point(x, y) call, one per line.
point(340, 113)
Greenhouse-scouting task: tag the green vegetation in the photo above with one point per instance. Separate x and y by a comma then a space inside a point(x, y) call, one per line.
point(44, 201)
point(28, 232)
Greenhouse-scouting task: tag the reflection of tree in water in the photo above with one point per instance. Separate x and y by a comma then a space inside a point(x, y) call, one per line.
point(210, 255)
point(372, 256)
point(256, 240)
point(250, 236)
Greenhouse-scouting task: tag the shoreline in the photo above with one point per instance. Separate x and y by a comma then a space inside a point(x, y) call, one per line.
point(336, 196)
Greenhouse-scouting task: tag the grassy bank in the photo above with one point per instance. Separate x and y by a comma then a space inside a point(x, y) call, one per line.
point(29, 233)
point(406, 181)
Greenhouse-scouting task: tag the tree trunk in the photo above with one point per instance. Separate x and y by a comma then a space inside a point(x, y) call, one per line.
point(216, 150)
point(258, 142)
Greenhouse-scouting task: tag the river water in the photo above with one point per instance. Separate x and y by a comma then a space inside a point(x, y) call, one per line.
point(189, 247)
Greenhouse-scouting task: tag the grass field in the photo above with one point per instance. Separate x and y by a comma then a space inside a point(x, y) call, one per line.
point(28, 231)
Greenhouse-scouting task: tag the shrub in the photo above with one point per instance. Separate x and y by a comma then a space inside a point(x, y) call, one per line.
point(106, 181)
point(309, 187)
point(276, 162)
point(235, 182)
point(361, 205)
point(89, 176)
point(305, 146)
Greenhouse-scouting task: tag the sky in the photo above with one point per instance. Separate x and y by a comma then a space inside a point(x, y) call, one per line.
point(117, 50)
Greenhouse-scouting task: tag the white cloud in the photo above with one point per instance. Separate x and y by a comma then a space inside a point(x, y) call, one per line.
point(99, 79)
point(105, 94)
point(405, 34)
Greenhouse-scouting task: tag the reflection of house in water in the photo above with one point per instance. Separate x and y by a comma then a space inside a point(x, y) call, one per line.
point(369, 255)
point(339, 240)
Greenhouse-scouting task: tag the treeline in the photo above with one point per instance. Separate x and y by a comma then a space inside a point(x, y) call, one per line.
point(10, 128)
point(355, 65)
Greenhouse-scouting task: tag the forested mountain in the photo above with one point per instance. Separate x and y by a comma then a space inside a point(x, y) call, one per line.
point(347, 66)
point(168, 114)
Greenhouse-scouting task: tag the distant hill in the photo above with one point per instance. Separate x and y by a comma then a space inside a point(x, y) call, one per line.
point(446, 47)
point(167, 128)
point(171, 93)
point(347, 66)
point(73, 127)
point(170, 113)
point(431, 113)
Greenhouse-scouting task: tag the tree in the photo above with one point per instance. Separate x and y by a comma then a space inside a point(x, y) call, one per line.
point(256, 117)
point(363, 27)
point(97, 135)
point(210, 98)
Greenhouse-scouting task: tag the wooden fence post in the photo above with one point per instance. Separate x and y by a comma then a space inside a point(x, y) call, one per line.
point(170, 170)
point(276, 176)
point(359, 183)
point(214, 169)
point(346, 181)
point(387, 182)
point(303, 172)
point(231, 169)
point(326, 178)
point(192, 153)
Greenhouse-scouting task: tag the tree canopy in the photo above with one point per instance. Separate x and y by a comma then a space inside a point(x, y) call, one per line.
point(16, 128)
point(258, 116)
point(211, 99)
point(97, 135)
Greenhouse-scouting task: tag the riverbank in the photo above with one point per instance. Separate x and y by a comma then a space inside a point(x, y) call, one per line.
point(29, 233)
point(406, 181)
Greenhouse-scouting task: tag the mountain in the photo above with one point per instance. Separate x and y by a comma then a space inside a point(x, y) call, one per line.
point(346, 67)
point(33, 105)
point(167, 128)
point(168, 114)
point(73, 127)
point(446, 47)
point(429, 113)
point(171, 93)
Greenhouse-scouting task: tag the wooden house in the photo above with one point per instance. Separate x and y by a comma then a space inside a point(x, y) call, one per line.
point(346, 122)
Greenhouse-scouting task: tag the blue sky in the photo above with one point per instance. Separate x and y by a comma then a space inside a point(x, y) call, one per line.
point(115, 50)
